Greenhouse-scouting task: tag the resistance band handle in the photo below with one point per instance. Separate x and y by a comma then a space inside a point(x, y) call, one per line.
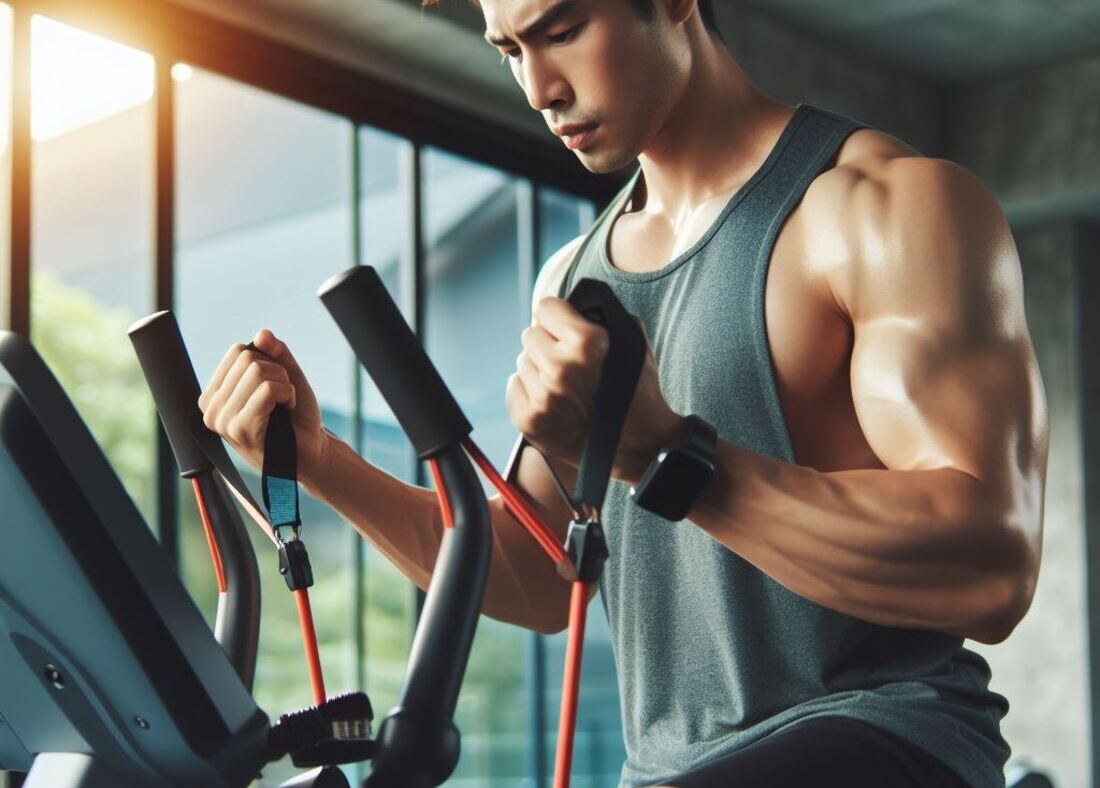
point(171, 377)
point(391, 354)
point(618, 379)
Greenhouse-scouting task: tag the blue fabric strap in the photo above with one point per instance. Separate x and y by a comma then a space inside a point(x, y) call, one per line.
point(280, 474)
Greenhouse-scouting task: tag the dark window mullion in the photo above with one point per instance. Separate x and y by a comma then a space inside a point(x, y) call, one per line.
point(358, 551)
point(411, 277)
point(527, 200)
point(164, 244)
point(19, 284)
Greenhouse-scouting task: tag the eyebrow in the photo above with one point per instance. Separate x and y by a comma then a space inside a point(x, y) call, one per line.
point(545, 20)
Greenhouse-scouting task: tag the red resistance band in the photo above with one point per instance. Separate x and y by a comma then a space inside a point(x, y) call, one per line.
point(301, 595)
point(529, 519)
point(526, 516)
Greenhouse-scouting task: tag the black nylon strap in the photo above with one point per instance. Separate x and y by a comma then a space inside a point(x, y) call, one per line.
point(279, 478)
point(280, 473)
point(618, 379)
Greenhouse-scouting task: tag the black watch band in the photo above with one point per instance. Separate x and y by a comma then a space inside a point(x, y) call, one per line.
point(675, 479)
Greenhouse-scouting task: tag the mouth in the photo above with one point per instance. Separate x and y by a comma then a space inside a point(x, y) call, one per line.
point(579, 138)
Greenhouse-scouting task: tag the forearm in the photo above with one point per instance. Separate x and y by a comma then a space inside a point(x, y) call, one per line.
point(405, 523)
point(923, 549)
point(401, 520)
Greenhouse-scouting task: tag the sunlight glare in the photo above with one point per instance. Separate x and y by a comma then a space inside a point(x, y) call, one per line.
point(78, 78)
point(181, 72)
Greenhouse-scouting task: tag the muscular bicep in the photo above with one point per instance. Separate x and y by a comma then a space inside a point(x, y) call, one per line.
point(943, 372)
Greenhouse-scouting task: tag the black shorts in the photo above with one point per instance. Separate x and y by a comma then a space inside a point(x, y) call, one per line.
point(823, 751)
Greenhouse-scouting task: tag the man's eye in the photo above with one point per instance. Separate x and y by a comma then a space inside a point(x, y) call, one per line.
point(568, 35)
point(557, 38)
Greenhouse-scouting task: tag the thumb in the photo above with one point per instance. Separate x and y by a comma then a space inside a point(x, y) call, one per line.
point(267, 343)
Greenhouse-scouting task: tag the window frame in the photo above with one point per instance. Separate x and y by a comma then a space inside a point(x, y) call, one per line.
point(176, 34)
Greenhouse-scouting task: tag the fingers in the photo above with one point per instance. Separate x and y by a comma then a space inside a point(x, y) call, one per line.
point(216, 379)
point(217, 395)
point(581, 336)
point(223, 400)
point(257, 372)
point(541, 351)
point(278, 350)
point(248, 427)
point(559, 317)
point(534, 389)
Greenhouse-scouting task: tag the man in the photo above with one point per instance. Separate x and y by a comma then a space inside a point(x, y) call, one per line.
point(847, 315)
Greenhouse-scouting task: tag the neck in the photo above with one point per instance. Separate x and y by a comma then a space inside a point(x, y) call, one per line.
point(716, 135)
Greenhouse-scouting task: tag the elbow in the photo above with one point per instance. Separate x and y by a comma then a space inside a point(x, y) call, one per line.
point(552, 628)
point(1007, 599)
point(563, 610)
point(1010, 572)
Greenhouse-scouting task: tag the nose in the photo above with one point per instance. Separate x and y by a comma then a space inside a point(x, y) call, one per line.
point(543, 84)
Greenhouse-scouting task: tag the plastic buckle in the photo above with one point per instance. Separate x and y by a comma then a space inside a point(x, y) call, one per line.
point(294, 564)
point(587, 549)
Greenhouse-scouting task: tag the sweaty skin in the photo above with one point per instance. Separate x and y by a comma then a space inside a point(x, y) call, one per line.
point(894, 311)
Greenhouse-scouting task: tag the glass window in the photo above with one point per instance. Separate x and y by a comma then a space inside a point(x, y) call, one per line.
point(92, 234)
point(472, 326)
point(264, 216)
point(389, 598)
point(562, 218)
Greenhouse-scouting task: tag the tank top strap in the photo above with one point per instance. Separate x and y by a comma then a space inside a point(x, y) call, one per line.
point(595, 230)
point(805, 147)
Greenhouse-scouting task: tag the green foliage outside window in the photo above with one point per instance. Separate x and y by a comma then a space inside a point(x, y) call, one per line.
point(86, 347)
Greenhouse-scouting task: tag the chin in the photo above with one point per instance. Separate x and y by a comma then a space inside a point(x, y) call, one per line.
point(604, 162)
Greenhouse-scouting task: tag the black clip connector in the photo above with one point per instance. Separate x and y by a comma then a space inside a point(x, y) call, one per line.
point(294, 565)
point(337, 731)
point(587, 549)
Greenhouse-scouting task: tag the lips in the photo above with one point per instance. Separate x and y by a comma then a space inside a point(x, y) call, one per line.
point(579, 136)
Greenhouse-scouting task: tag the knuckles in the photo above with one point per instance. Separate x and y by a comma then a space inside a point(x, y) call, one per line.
point(593, 344)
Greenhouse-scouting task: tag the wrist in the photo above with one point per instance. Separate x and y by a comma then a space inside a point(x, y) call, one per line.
point(314, 467)
point(673, 482)
point(661, 437)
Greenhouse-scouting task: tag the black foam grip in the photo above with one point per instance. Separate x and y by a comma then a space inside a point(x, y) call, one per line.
point(618, 378)
point(171, 378)
point(392, 356)
point(168, 370)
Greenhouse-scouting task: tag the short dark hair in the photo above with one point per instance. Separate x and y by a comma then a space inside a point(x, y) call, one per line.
point(646, 8)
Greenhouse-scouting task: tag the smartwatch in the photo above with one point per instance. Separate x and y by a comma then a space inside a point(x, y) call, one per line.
point(676, 478)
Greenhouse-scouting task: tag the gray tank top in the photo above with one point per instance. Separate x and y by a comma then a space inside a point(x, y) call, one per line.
point(711, 653)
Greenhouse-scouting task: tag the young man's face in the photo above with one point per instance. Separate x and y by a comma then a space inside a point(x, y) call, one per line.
point(594, 67)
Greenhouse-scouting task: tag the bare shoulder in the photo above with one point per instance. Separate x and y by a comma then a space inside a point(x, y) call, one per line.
point(894, 219)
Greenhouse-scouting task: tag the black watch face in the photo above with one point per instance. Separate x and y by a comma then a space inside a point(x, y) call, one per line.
point(676, 481)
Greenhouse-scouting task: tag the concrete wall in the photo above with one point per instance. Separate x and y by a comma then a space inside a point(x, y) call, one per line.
point(795, 65)
point(1034, 138)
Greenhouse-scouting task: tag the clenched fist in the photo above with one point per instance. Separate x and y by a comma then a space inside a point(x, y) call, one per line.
point(244, 390)
point(550, 396)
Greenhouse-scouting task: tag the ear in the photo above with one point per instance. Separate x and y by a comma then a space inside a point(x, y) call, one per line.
point(678, 10)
